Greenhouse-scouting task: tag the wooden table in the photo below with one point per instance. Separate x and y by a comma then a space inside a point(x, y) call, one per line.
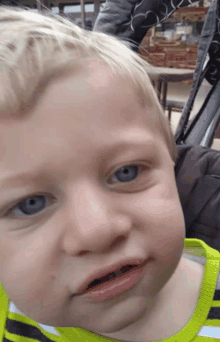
point(165, 75)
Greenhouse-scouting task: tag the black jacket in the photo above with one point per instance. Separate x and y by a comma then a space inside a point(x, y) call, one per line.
point(198, 181)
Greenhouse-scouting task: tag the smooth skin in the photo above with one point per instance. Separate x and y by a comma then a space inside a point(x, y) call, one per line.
point(91, 218)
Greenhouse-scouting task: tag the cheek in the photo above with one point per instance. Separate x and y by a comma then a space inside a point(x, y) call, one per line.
point(21, 272)
point(168, 233)
point(160, 215)
point(165, 206)
point(32, 290)
point(162, 210)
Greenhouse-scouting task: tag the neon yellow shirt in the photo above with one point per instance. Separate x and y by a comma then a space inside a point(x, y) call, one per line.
point(204, 325)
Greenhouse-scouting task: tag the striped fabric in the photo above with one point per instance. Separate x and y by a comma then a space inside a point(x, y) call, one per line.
point(204, 325)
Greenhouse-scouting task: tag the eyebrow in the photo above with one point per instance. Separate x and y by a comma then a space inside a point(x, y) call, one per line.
point(119, 146)
point(37, 176)
point(21, 178)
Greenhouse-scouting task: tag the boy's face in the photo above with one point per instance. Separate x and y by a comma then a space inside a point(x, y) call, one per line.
point(86, 128)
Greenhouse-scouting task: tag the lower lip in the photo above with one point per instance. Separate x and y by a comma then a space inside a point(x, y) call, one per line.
point(116, 287)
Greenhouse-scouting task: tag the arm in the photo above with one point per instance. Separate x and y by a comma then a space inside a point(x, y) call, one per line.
point(131, 19)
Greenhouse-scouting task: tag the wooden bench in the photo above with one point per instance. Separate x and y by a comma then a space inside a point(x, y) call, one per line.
point(176, 57)
point(157, 59)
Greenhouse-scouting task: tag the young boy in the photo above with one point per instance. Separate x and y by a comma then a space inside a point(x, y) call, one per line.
point(87, 188)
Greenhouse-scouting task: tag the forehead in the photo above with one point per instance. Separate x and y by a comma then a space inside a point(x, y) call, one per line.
point(74, 120)
point(109, 97)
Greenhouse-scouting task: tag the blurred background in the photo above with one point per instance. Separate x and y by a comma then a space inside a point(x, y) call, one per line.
point(173, 44)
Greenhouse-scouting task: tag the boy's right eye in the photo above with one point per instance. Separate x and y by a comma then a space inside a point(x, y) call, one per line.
point(32, 205)
point(127, 174)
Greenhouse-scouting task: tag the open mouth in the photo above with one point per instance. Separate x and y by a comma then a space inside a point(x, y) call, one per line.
point(110, 276)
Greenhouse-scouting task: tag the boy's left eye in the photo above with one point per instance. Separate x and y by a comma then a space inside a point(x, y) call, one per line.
point(125, 174)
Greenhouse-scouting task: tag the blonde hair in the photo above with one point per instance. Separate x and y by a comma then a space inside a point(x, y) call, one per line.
point(37, 48)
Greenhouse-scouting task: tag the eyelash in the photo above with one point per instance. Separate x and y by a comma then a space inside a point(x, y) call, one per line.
point(9, 212)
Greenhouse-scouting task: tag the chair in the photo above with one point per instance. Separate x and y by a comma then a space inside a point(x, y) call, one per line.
point(176, 106)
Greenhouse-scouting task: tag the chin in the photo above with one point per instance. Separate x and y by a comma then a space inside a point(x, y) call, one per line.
point(132, 311)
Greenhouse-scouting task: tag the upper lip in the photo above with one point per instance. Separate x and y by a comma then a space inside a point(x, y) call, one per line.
point(110, 269)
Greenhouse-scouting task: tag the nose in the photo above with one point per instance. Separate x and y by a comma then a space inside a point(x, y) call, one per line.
point(96, 222)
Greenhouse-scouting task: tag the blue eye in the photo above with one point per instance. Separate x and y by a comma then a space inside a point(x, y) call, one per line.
point(126, 174)
point(30, 206)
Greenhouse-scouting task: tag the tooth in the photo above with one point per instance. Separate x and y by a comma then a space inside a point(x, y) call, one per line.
point(115, 274)
point(111, 276)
